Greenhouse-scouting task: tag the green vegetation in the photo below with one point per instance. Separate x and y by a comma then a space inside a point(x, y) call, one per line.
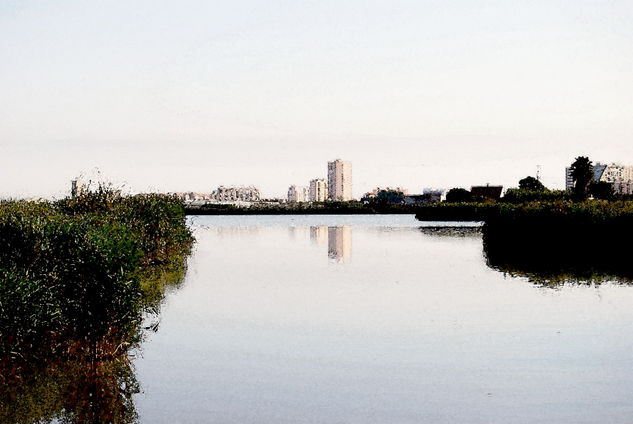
point(77, 278)
point(459, 195)
point(522, 195)
point(582, 173)
point(531, 184)
point(549, 240)
point(560, 238)
point(601, 190)
point(550, 236)
point(384, 197)
point(316, 208)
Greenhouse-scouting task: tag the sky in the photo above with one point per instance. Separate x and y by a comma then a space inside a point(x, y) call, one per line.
point(188, 95)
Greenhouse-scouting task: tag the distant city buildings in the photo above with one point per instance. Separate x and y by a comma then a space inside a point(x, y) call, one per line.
point(318, 190)
point(619, 176)
point(337, 187)
point(236, 194)
point(297, 194)
point(192, 196)
point(569, 180)
point(339, 175)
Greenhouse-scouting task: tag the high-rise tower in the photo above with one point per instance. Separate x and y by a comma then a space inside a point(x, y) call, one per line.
point(339, 178)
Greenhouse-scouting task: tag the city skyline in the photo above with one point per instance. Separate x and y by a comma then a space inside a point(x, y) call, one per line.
point(169, 96)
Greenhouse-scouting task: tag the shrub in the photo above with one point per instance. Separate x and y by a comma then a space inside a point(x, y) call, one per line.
point(72, 269)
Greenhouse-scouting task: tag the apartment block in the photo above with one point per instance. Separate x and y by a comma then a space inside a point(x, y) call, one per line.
point(620, 176)
point(318, 190)
point(297, 194)
point(339, 175)
point(236, 194)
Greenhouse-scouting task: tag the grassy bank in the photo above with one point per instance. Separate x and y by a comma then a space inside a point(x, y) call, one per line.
point(587, 240)
point(324, 208)
point(78, 278)
point(72, 271)
point(584, 240)
point(443, 211)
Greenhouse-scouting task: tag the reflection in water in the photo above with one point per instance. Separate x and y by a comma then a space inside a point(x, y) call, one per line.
point(474, 231)
point(90, 384)
point(85, 379)
point(338, 239)
point(231, 231)
point(549, 259)
point(339, 243)
point(318, 234)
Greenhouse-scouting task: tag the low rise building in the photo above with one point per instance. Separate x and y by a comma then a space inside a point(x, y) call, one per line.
point(619, 176)
point(486, 193)
point(192, 196)
point(236, 194)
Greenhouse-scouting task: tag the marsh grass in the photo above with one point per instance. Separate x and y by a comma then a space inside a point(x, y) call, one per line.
point(550, 242)
point(77, 271)
point(78, 278)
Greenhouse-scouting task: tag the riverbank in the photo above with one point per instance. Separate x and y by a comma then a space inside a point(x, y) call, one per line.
point(549, 239)
point(78, 277)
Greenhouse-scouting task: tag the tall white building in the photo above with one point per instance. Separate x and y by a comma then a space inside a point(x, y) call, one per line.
point(619, 176)
point(339, 179)
point(318, 190)
point(569, 180)
point(297, 194)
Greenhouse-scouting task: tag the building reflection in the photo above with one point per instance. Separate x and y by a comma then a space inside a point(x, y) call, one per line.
point(339, 243)
point(318, 235)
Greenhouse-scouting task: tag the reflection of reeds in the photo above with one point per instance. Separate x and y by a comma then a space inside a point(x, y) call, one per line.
point(550, 241)
point(82, 384)
point(459, 232)
point(76, 279)
point(561, 242)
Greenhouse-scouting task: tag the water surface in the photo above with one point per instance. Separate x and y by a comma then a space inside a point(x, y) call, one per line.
point(378, 319)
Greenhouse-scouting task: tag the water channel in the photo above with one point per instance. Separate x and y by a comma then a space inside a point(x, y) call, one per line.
point(378, 319)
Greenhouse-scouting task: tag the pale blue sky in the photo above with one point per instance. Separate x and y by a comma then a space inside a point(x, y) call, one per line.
point(188, 95)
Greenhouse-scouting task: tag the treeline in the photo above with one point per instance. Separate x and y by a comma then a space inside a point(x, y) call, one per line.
point(316, 208)
point(586, 184)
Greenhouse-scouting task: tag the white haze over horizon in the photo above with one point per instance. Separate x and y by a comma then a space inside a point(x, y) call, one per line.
point(189, 95)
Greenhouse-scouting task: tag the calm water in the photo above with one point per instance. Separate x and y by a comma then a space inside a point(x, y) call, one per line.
point(372, 319)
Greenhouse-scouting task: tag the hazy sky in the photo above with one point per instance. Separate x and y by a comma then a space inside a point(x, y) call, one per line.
point(188, 95)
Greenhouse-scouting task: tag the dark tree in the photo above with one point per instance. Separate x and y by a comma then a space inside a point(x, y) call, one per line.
point(582, 174)
point(602, 190)
point(389, 196)
point(532, 184)
point(458, 195)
